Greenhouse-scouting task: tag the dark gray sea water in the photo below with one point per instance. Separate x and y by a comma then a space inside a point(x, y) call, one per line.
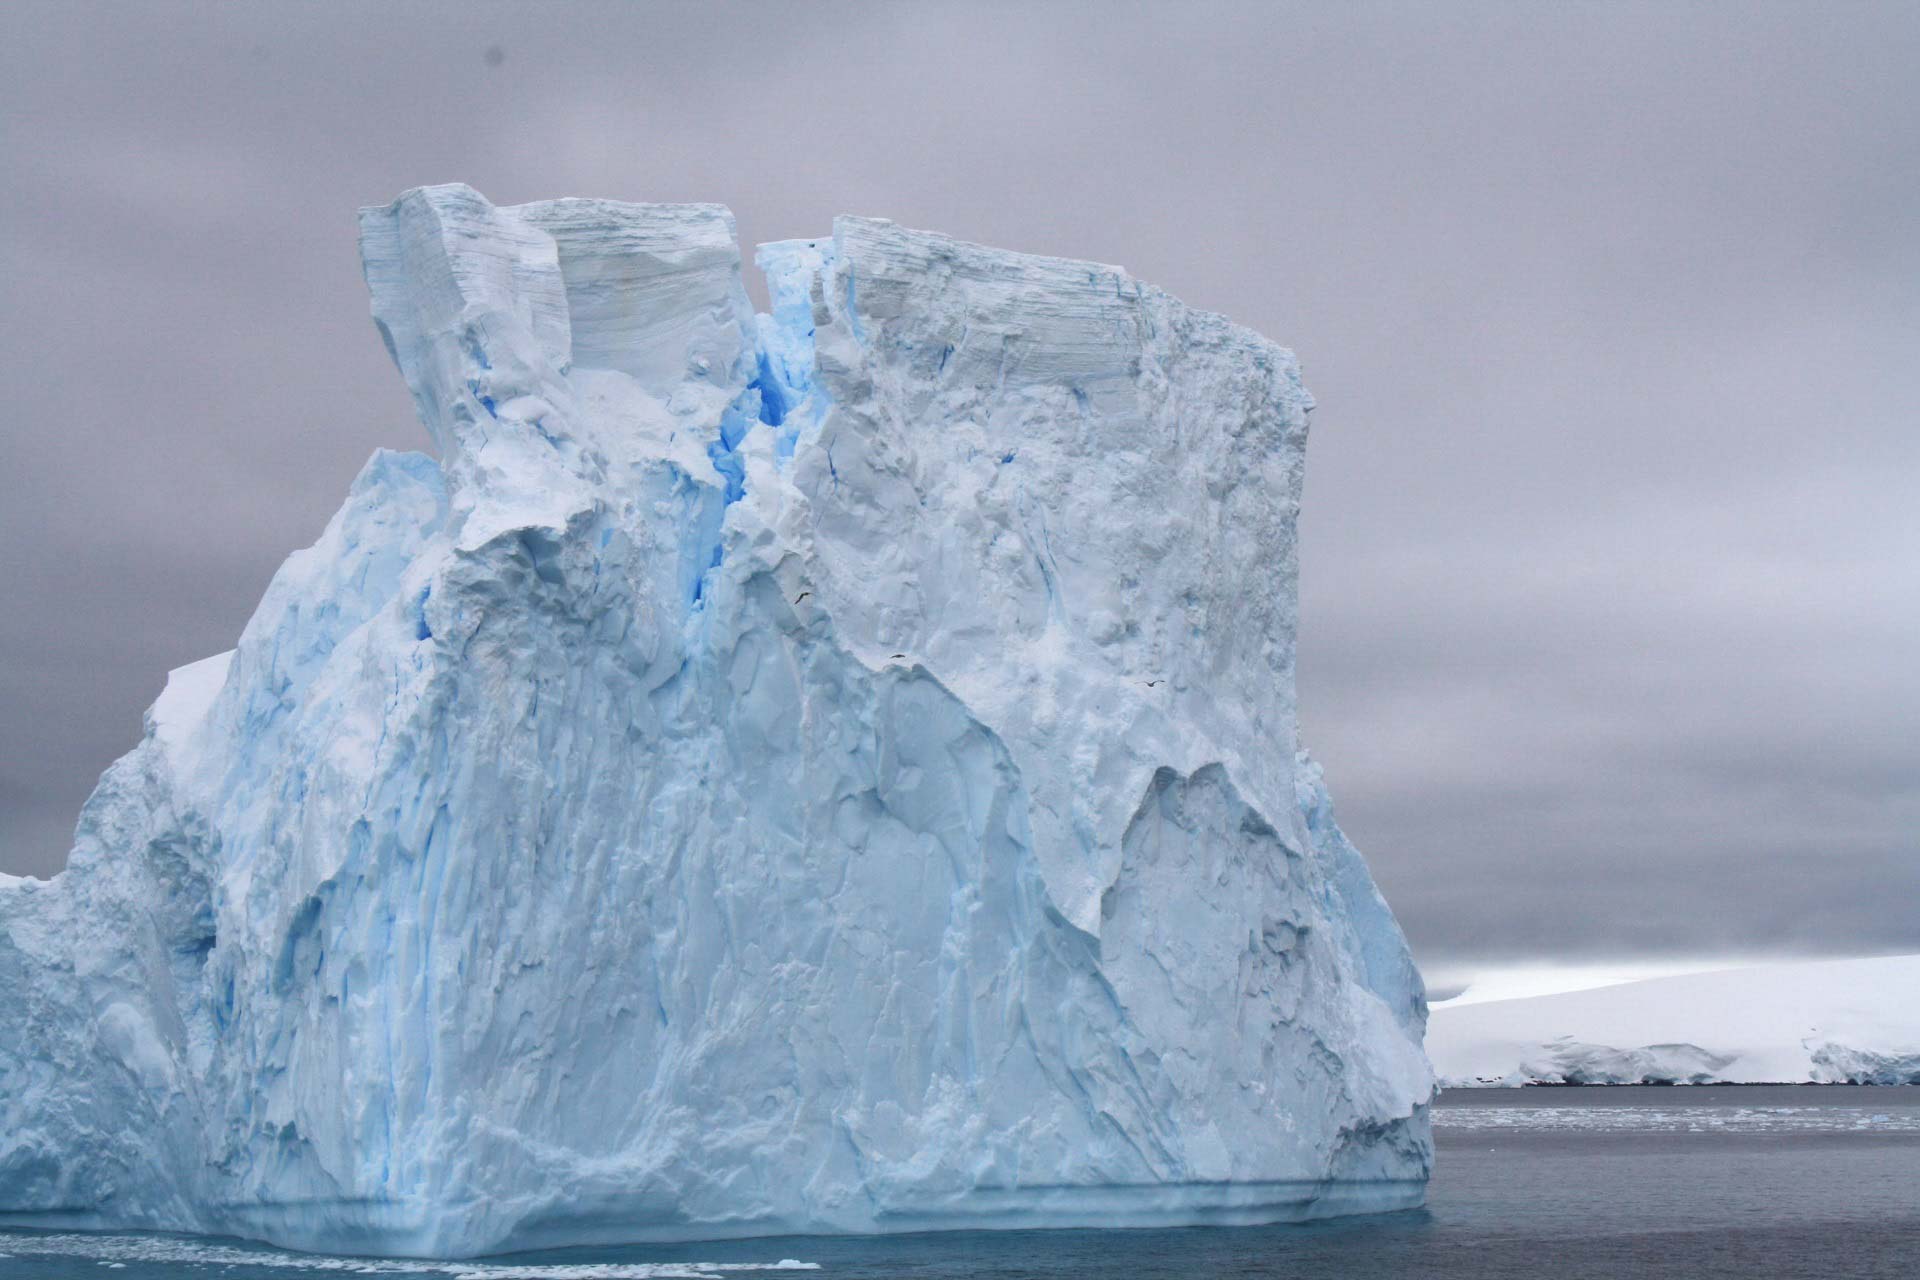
point(1753, 1182)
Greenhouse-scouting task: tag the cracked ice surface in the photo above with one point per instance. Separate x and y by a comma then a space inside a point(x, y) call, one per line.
point(833, 770)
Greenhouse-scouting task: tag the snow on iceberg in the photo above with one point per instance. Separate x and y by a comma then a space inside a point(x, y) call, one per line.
point(1813, 1022)
point(833, 770)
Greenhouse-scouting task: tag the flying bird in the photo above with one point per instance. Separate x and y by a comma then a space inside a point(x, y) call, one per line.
point(802, 596)
point(1151, 683)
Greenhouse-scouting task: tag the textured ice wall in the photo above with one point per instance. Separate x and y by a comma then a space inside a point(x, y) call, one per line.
point(833, 770)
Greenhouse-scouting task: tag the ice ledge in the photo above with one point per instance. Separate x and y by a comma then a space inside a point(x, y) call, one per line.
point(183, 704)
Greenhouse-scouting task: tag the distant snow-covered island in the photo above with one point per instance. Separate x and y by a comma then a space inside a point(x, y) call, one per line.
point(1805, 1022)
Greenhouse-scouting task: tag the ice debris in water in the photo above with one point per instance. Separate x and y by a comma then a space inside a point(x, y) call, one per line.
point(831, 770)
point(1680, 1118)
point(116, 1251)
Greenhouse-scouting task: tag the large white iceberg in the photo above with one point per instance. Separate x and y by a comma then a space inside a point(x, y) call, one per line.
point(833, 770)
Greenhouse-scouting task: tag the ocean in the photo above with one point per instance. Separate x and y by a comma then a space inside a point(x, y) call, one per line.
point(1754, 1182)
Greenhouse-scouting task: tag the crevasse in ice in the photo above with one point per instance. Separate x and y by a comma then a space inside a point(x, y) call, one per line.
point(832, 770)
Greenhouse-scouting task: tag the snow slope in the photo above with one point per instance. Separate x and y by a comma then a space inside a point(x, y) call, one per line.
point(1830, 1021)
point(833, 770)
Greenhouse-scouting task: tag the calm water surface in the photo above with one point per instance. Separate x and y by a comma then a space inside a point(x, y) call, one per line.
point(1565, 1183)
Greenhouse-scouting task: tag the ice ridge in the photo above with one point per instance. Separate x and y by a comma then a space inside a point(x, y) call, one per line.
point(829, 770)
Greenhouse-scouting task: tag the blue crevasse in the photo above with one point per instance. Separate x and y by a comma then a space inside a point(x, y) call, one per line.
point(716, 796)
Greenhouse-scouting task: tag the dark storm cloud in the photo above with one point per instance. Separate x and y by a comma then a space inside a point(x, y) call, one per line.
point(1611, 562)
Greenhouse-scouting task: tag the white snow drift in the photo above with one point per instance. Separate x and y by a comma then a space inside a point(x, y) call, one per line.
point(1832, 1021)
point(833, 770)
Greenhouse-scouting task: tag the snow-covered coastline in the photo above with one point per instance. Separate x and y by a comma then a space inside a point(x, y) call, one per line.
point(1804, 1022)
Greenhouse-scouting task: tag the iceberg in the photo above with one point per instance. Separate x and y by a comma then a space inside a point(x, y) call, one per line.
point(830, 770)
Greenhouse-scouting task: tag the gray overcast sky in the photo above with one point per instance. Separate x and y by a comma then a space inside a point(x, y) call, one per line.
point(1612, 551)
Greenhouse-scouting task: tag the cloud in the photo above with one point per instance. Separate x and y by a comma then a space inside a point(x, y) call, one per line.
point(1610, 566)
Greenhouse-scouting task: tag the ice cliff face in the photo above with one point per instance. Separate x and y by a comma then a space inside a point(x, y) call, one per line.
point(833, 770)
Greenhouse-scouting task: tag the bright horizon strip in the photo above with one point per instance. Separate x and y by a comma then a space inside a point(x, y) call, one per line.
point(1524, 981)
